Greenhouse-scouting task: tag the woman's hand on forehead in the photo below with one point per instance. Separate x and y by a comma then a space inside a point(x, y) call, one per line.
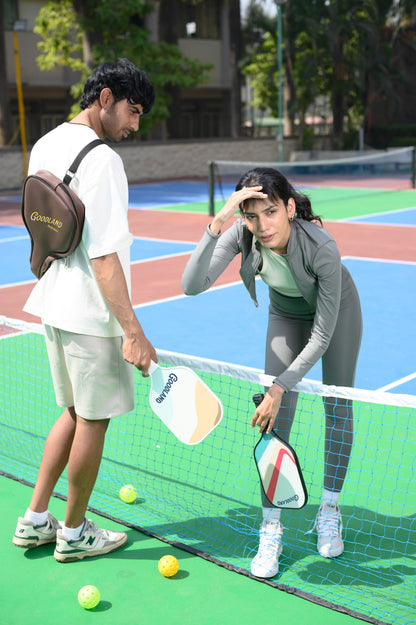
point(233, 205)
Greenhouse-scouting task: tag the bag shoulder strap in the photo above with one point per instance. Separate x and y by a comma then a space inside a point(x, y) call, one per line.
point(73, 168)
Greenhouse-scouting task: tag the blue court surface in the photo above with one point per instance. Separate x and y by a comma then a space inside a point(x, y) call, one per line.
point(157, 195)
point(400, 217)
point(15, 246)
point(223, 324)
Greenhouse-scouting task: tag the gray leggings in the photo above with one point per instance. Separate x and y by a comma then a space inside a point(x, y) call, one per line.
point(286, 338)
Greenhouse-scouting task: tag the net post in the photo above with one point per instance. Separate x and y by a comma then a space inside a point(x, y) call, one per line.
point(211, 183)
point(414, 167)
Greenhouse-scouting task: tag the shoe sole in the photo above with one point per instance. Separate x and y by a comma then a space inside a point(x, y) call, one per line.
point(268, 576)
point(71, 557)
point(25, 543)
point(332, 555)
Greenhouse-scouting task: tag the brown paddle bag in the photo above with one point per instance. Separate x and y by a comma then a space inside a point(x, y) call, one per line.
point(53, 214)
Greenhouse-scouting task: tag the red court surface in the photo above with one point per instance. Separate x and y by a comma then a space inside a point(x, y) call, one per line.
point(159, 279)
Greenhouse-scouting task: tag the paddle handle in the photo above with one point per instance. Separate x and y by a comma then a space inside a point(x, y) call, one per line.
point(258, 398)
point(153, 367)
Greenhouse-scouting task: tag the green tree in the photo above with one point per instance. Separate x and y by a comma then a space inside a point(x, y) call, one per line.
point(83, 33)
point(307, 60)
point(303, 60)
point(262, 71)
point(258, 63)
point(333, 48)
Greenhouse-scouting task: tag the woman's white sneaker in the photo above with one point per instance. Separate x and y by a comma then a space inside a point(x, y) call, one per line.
point(328, 524)
point(266, 561)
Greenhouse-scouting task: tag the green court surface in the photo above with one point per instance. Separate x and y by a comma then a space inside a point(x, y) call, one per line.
point(205, 497)
point(346, 203)
point(36, 590)
point(331, 203)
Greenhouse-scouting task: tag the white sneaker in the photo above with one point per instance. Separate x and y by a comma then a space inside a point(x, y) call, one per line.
point(266, 561)
point(328, 524)
point(29, 535)
point(92, 542)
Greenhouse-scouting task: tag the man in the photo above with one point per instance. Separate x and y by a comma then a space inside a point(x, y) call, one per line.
point(92, 334)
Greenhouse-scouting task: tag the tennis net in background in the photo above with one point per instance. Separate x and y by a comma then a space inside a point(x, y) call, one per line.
point(364, 172)
point(206, 497)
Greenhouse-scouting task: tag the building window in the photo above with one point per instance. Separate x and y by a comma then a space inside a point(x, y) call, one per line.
point(200, 19)
point(10, 13)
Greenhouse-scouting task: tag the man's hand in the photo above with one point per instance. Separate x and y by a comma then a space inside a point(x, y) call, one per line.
point(138, 351)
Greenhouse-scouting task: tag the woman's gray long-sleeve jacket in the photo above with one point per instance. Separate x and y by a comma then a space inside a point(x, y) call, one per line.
point(315, 263)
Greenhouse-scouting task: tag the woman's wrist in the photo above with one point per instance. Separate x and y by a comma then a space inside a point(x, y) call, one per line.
point(216, 225)
point(276, 390)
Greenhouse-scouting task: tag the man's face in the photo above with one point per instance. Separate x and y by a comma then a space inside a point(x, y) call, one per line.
point(119, 119)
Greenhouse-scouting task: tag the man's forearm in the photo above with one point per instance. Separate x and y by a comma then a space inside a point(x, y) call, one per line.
point(112, 283)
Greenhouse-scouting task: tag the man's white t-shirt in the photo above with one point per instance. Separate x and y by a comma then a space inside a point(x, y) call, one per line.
point(68, 296)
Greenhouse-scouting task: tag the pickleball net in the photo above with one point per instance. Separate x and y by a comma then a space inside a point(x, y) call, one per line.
point(205, 498)
point(352, 177)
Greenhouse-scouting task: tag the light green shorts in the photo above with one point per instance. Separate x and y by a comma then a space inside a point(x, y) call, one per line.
point(90, 373)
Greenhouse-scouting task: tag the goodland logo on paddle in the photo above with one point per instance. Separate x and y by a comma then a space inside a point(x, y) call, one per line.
point(170, 381)
point(287, 501)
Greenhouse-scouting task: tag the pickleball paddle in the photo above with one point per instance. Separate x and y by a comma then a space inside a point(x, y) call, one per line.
point(185, 404)
point(279, 470)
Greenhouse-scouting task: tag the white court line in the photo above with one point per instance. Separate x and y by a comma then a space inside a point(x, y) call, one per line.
point(407, 378)
point(380, 260)
point(8, 239)
point(165, 240)
point(183, 296)
point(164, 257)
point(380, 214)
point(22, 283)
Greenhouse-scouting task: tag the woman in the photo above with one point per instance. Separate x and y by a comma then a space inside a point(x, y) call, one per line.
point(314, 313)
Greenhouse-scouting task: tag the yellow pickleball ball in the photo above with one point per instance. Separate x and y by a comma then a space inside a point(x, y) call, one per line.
point(168, 566)
point(89, 597)
point(128, 493)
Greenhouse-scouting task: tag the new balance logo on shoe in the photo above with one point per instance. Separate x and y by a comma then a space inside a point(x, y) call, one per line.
point(92, 542)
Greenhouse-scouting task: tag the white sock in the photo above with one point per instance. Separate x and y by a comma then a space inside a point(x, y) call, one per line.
point(72, 533)
point(329, 496)
point(271, 514)
point(37, 518)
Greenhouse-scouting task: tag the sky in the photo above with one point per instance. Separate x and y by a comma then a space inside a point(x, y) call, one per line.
point(268, 5)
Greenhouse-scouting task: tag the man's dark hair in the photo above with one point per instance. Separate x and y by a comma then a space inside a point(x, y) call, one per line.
point(125, 80)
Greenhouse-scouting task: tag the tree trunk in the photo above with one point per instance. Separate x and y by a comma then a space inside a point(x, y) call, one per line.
point(338, 117)
point(89, 37)
point(168, 29)
point(338, 97)
point(289, 90)
point(235, 56)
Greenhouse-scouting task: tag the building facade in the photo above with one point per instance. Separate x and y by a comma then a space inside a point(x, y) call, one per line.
point(206, 31)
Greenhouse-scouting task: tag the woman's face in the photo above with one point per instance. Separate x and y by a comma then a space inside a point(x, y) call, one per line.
point(269, 221)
